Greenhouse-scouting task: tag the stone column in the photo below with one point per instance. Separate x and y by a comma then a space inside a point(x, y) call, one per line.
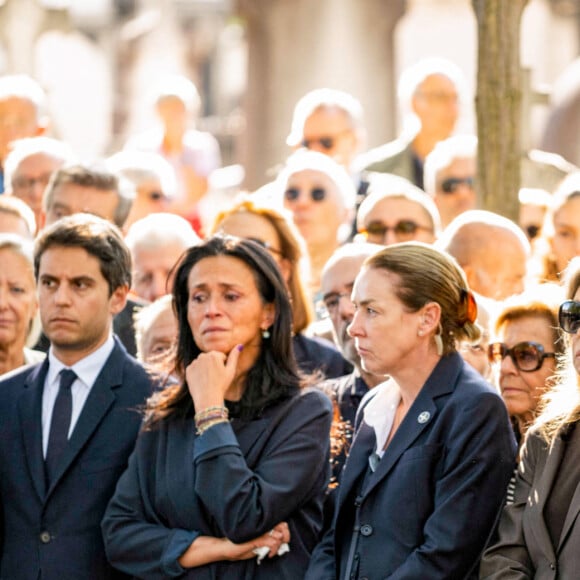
point(299, 45)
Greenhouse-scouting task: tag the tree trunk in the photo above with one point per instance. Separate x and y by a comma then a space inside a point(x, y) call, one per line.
point(498, 104)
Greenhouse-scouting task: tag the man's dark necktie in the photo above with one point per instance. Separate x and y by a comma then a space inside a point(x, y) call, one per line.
point(60, 423)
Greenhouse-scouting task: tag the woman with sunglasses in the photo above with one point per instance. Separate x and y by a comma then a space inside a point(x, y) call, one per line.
point(321, 197)
point(524, 353)
point(539, 533)
point(394, 210)
point(433, 452)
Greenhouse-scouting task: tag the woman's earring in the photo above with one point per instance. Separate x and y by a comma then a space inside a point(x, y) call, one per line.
point(265, 333)
point(439, 341)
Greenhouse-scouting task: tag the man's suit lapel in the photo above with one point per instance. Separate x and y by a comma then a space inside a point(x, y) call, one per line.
point(97, 405)
point(30, 415)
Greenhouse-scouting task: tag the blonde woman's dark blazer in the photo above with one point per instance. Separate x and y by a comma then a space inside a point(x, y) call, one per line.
point(524, 548)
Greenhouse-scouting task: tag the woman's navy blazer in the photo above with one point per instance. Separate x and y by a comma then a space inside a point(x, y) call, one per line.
point(429, 507)
point(237, 480)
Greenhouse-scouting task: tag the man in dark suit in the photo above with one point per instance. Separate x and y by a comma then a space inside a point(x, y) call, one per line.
point(64, 444)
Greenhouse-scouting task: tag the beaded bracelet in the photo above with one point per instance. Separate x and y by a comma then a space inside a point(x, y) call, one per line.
point(202, 428)
point(210, 411)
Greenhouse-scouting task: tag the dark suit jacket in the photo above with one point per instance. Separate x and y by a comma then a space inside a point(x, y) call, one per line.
point(55, 532)
point(428, 509)
point(524, 548)
point(237, 480)
point(316, 354)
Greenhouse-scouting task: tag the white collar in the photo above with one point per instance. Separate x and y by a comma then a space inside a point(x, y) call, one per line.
point(87, 369)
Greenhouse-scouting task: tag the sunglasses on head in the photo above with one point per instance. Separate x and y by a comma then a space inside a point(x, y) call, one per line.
point(569, 316)
point(401, 229)
point(451, 184)
point(316, 193)
point(526, 356)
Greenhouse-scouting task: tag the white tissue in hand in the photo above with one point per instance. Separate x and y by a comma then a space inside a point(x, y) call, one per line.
point(262, 552)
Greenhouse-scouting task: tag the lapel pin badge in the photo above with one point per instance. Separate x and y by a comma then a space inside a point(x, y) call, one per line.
point(424, 417)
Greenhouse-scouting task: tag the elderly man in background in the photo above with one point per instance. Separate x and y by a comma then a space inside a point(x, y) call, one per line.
point(22, 113)
point(156, 243)
point(430, 94)
point(29, 167)
point(492, 250)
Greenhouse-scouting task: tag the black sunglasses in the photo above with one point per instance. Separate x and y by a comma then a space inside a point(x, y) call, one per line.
point(156, 195)
point(402, 228)
point(326, 142)
point(569, 316)
point(451, 184)
point(526, 356)
point(316, 193)
point(532, 231)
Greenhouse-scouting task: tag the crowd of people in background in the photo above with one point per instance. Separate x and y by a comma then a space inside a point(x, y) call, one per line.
point(353, 372)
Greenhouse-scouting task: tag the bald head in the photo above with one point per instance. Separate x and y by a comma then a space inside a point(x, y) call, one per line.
point(492, 251)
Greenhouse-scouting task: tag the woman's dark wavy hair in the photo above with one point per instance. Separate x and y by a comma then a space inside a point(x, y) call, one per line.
point(274, 376)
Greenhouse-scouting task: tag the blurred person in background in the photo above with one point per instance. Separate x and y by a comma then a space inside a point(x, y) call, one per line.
point(430, 94)
point(449, 176)
point(23, 113)
point(29, 167)
point(193, 154)
point(321, 197)
point(153, 179)
point(331, 122)
point(539, 533)
point(86, 188)
point(560, 239)
point(534, 204)
point(156, 331)
point(19, 325)
point(16, 217)
point(475, 353)
point(492, 250)
point(395, 210)
point(273, 229)
point(156, 243)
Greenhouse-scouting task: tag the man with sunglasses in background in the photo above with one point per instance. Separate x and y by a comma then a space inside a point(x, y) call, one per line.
point(449, 176)
point(331, 122)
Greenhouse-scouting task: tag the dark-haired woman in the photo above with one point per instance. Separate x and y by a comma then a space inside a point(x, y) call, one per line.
point(239, 449)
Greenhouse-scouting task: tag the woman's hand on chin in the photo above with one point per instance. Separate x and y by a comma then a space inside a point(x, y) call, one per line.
point(210, 375)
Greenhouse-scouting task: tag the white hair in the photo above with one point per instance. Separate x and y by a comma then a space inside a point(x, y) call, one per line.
point(323, 98)
point(159, 229)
